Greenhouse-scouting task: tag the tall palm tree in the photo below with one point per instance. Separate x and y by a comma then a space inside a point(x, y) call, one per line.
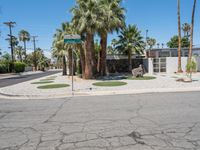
point(24, 36)
point(151, 42)
point(58, 50)
point(85, 20)
point(19, 52)
point(191, 34)
point(186, 29)
point(112, 20)
point(179, 38)
point(130, 41)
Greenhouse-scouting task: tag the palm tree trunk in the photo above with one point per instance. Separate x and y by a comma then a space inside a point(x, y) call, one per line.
point(179, 39)
point(64, 66)
point(191, 34)
point(70, 61)
point(130, 60)
point(25, 50)
point(94, 62)
point(103, 54)
point(88, 57)
point(82, 57)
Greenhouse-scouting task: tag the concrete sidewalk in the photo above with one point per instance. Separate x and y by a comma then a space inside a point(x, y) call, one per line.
point(162, 83)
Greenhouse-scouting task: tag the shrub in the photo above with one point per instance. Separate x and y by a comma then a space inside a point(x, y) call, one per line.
point(191, 66)
point(19, 67)
point(3, 68)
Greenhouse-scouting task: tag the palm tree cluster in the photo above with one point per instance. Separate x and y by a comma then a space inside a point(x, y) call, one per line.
point(188, 30)
point(90, 18)
point(19, 51)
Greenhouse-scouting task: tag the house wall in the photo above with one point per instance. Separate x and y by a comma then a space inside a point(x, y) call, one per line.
point(198, 63)
point(172, 64)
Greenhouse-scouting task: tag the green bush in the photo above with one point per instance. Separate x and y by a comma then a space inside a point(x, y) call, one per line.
point(19, 67)
point(3, 68)
point(191, 66)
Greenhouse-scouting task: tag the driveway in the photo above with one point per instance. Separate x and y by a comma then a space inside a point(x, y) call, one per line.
point(168, 121)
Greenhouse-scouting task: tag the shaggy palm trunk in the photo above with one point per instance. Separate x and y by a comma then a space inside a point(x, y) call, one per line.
point(103, 54)
point(130, 59)
point(94, 62)
point(179, 39)
point(191, 34)
point(88, 57)
point(64, 66)
point(70, 61)
point(82, 57)
point(25, 51)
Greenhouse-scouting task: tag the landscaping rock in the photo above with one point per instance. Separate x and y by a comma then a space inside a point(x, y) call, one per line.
point(138, 72)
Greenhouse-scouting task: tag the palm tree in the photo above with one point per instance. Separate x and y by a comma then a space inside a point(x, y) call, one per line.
point(191, 34)
point(112, 20)
point(85, 20)
point(179, 39)
point(151, 42)
point(58, 50)
point(19, 52)
point(130, 41)
point(186, 29)
point(24, 36)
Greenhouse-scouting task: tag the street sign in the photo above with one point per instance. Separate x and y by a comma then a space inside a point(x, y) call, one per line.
point(72, 39)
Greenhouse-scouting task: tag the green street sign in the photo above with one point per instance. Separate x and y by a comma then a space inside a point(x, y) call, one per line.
point(72, 39)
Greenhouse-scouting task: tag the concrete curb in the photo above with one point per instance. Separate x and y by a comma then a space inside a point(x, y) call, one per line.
point(100, 93)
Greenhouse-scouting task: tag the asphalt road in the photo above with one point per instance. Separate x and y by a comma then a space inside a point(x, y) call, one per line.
point(168, 121)
point(23, 78)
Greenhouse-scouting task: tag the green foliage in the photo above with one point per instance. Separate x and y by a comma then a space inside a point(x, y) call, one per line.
point(130, 39)
point(173, 43)
point(191, 66)
point(19, 67)
point(151, 42)
point(3, 68)
point(53, 86)
point(110, 83)
point(141, 78)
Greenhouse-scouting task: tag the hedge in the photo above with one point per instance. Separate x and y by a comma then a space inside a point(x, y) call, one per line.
point(19, 67)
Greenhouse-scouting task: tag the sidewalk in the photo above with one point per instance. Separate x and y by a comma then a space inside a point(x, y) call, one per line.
point(162, 83)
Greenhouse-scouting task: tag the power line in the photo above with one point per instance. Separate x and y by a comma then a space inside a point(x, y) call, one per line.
point(11, 24)
point(34, 47)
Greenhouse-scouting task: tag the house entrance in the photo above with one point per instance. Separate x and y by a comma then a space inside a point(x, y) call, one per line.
point(159, 65)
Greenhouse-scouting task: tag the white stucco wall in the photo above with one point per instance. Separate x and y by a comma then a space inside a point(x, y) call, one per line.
point(150, 66)
point(172, 64)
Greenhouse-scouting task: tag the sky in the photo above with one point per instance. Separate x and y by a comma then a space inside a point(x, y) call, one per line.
point(42, 17)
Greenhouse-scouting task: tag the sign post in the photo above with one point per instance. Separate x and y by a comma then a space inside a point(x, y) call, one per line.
point(72, 39)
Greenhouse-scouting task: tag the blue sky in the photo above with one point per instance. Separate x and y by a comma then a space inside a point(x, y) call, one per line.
point(42, 17)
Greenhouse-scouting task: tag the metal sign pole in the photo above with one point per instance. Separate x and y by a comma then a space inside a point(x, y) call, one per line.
point(72, 39)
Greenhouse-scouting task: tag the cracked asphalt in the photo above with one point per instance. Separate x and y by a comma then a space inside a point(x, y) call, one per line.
point(168, 121)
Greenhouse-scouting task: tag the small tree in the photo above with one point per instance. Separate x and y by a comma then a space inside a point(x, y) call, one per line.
point(191, 67)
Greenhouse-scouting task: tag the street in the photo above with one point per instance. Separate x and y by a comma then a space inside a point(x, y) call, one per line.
point(19, 79)
point(164, 121)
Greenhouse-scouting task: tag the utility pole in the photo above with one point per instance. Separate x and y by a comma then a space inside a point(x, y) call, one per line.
point(11, 24)
point(34, 47)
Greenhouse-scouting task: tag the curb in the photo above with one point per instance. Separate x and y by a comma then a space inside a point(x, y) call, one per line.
point(100, 93)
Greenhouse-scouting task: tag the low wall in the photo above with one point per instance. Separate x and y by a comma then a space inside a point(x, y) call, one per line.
point(172, 64)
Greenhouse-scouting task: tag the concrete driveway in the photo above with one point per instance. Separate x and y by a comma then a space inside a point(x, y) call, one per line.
point(168, 121)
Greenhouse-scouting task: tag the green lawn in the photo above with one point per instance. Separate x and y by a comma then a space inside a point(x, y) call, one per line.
point(53, 86)
point(46, 80)
point(109, 83)
point(42, 82)
point(141, 78)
